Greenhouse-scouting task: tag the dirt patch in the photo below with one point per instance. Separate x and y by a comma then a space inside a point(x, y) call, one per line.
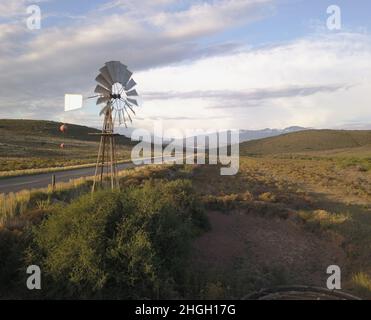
point(268, 242)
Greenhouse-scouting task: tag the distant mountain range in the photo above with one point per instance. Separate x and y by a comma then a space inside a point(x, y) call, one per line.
point(247, 135)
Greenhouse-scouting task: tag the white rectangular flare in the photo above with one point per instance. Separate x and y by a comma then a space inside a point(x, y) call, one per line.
point(72, 102)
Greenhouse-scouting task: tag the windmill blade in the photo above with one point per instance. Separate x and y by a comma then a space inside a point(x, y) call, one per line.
point(131, 109)
point(106, 75)
point(123, 116)
point(119, 113)
point(114, 117)
point(132, 101)
point(132, 93)
point(130, 85)
point(114, 69)
point(124, 75)
point(103, 100)
point(115, 105)
point(131, 121)
point(121, 78)
point(128, 75)
point(101, 80)
point(105, 92)
point(104, 110)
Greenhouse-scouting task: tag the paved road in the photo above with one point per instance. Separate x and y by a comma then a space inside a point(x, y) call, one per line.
point(43, 180)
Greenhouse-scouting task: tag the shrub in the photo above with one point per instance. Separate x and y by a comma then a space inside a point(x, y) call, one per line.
point(130, 244)
point(11, 248)
point(318, 219)
point(214, 291)
point(227, 202)
point(267, 197)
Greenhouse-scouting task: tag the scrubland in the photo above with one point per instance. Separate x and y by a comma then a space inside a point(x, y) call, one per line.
point(187, 232)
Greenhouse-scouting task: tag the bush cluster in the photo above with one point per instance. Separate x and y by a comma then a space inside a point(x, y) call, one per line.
point(118, 245)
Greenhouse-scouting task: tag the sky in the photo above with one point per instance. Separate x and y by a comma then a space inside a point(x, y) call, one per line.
point(217, 64)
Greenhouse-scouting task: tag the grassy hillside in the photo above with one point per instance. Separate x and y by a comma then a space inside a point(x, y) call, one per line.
point(31, 144)
point(41, 128)
point(308, 141)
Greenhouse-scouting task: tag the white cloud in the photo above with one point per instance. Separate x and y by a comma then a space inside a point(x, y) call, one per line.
point(13, 8)
point(208, 17)
point(16, 8)
point(318, 81)
point(55, 60)
point(315, 82)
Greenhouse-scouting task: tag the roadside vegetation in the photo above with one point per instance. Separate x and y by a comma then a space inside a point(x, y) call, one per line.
point(133, 243)
point(187, 232)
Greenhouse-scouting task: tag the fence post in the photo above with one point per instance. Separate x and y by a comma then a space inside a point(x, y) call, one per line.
point(53, 182)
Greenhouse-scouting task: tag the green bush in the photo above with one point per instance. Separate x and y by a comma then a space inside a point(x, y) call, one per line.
point(128, 245)
point(11, 248)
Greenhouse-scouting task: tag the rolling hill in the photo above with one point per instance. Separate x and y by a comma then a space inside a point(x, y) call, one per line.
point(32, 144)
point(308, 141)
point(50, 129)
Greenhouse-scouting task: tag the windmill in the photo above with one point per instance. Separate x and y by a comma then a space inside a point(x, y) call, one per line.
point(116, 91)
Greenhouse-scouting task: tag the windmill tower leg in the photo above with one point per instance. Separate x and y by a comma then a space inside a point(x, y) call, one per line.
point(106, 154)
point(111, 150)
point(117, 183)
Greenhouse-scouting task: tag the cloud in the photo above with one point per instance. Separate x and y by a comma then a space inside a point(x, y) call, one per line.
point(135, 6)
point(13, 8)
point(209, 17)
point(248, 95)
point(43, 65)
point(318, 81)
point(16, 8)
point(186, 78)
point(180, 118)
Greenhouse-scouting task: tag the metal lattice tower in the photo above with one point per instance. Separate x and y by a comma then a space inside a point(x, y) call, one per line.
point(115, 89)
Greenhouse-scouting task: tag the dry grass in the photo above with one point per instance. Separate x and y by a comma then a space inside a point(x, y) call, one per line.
point(17, 173)
point(324, 218)
point(329, 201)
point(362, 283)
point(13, 205)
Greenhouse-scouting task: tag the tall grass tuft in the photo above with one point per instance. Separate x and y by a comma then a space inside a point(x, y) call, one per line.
point(13, 204)
point(362, 283)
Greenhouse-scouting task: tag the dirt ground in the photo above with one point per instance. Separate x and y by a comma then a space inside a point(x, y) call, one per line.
point(279, 243)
